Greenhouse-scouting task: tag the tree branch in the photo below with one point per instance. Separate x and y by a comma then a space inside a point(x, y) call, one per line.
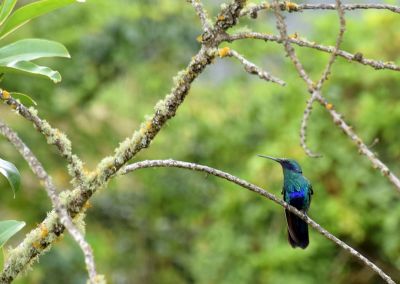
point(51, 190)
point(293, 7)
point(290, 52)
point(52, 135)
point(260, 191)
point(202, 14)
point(350, 7)
point(339, 39)
point(303, 128)
point(250, 67)
point(357, 57)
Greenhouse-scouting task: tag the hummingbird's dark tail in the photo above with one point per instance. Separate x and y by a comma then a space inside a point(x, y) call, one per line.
point(297, 231)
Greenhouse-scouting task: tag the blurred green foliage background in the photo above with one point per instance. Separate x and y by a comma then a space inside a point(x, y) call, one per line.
point(177, 226)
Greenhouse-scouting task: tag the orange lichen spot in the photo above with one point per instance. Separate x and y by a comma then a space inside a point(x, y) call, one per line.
point(329, 106)
point(58, 239)
point(199, 38)
point(149, 125)
point(290, 6)
point(5, 95)
point(221, 17)
point(36, 245)
point(87, 205)
point(222, 52)
point(44, 232)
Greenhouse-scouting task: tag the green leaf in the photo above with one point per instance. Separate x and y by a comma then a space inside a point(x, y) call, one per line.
point(23, 98)
point(29, 12)
point(27, 67)
point(31, 49)
point(6, 9)
point(8, 229)
point(11, 173)
point(15, 57)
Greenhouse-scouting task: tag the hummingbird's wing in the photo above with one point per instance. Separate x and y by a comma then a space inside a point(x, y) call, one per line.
point(310, 193)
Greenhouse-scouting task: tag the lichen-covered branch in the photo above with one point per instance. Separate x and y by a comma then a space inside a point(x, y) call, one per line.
point(293, 7)
point(62, 213)
point(350, 7)
point(290, 52)
point(303, 128)
point(260, 191)
point(357, 57)
point(339, 39)
point(164, 110)
point(202, 14)
point(76, 200)
point(52, 135)
point(250, 67)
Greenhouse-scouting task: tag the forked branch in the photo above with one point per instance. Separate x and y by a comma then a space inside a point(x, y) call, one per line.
point(51, 190)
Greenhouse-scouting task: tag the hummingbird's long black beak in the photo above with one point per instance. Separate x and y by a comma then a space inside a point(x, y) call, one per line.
point(271, 158)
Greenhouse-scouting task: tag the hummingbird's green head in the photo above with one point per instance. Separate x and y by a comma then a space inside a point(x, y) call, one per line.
point(287, 164)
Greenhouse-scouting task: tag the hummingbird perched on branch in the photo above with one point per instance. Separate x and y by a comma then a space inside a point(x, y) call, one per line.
point(297, 191)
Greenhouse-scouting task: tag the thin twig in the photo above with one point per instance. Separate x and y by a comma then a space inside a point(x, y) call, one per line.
point(281, 25)
point(357, 57)
point(250, 67)
point(202, 13)
point(339, 39)
point(52, 135)
point(51, 190)
point(350, 7)
point(293, 7)
point(303, 128)
point(260, 191)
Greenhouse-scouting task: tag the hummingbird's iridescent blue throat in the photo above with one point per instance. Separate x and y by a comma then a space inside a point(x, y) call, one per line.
point(297, 191)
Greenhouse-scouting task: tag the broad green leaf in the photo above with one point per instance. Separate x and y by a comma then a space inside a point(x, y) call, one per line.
point(6, 9)
point(11, 173)
point(29, 12)
point(25, 99)
point(31, 49)
point(27, 67)
point(8, 229)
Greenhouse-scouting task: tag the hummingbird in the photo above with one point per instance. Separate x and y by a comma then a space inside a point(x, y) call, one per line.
point(297, 191)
